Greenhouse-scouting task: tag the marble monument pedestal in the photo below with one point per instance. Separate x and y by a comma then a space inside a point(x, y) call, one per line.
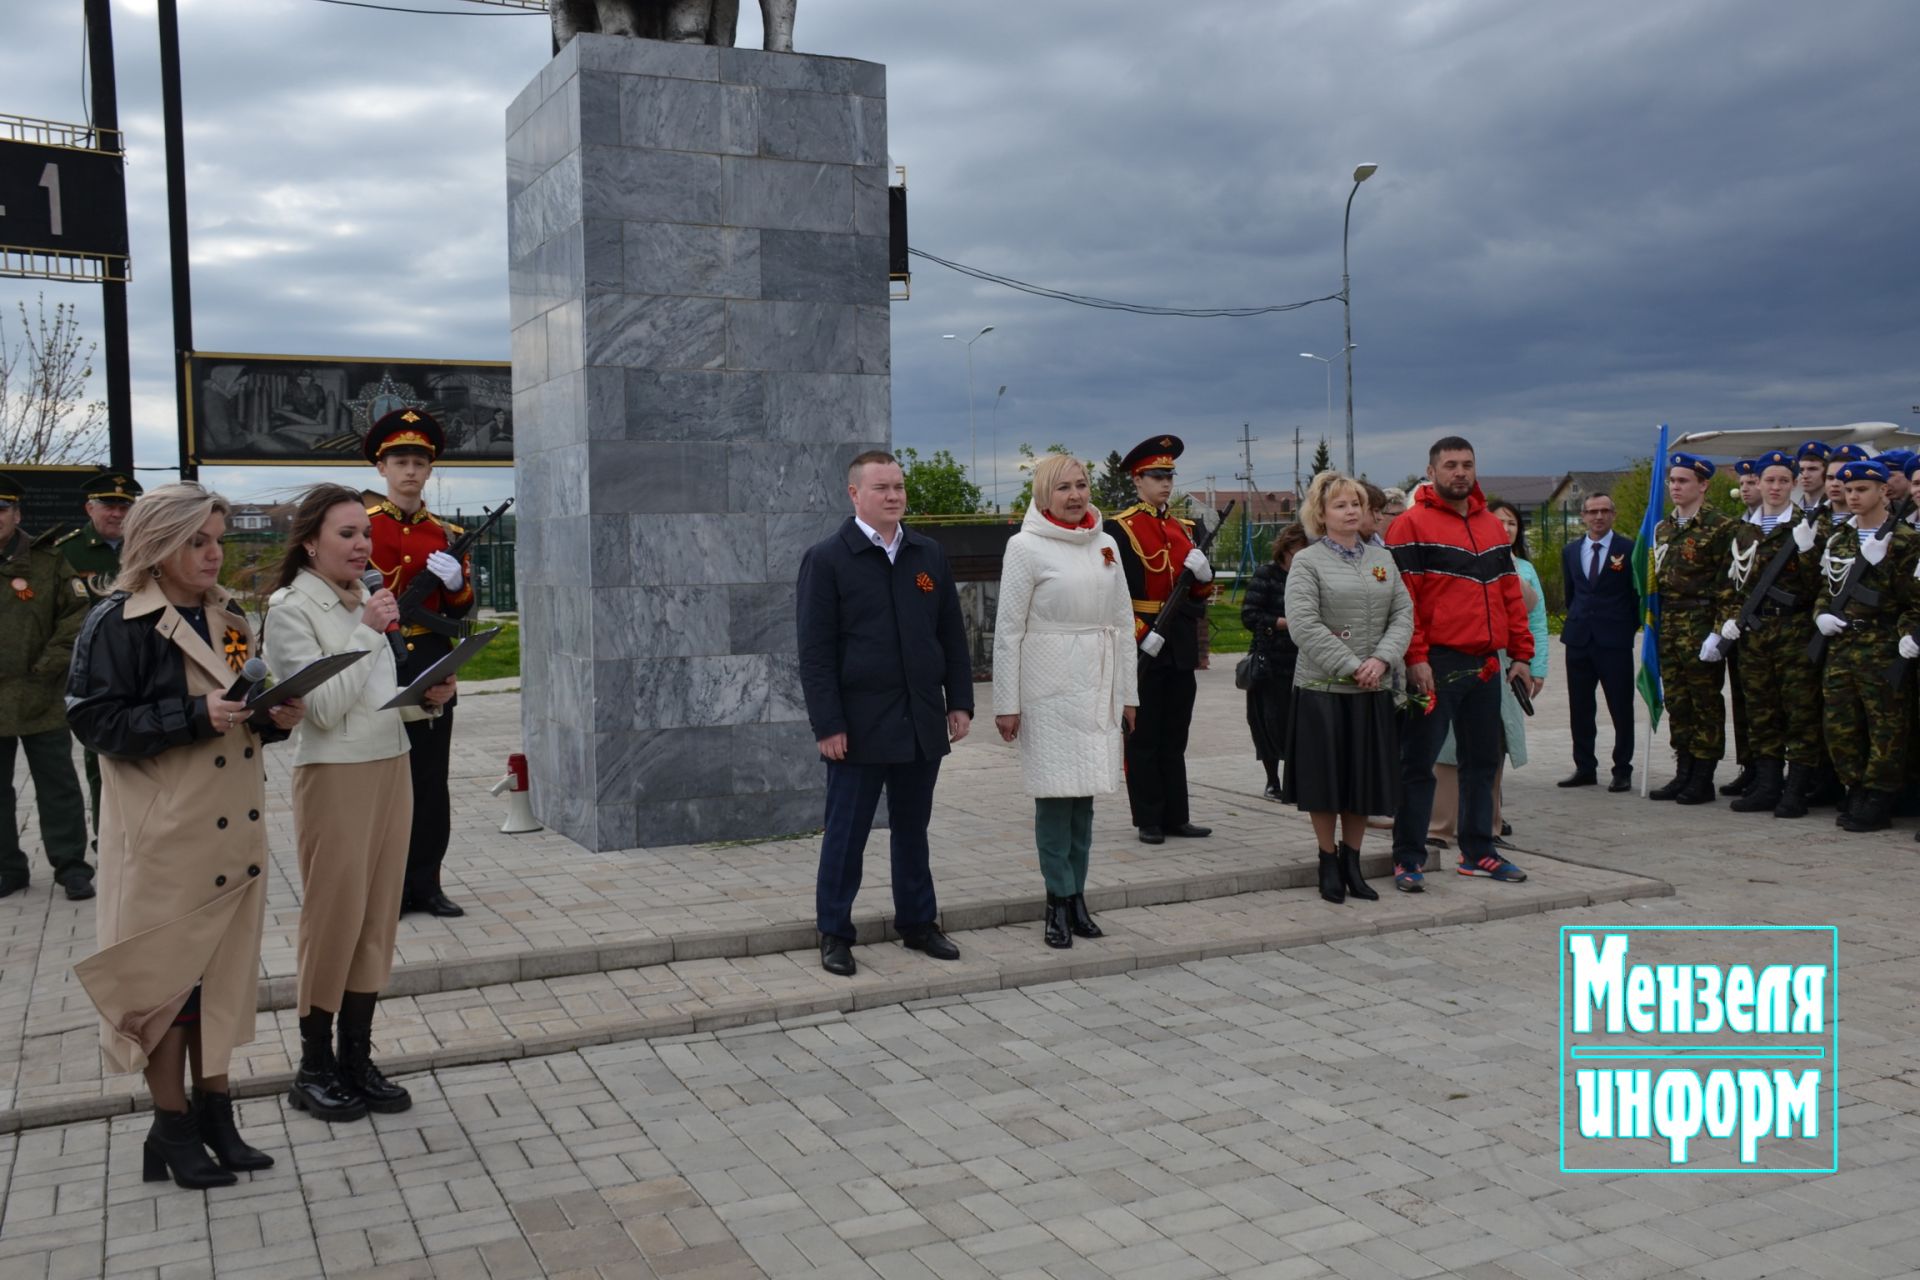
point(698, 241)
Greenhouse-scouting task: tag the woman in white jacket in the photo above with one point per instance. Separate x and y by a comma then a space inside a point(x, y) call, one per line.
point(352, 798)
point(1064, 678)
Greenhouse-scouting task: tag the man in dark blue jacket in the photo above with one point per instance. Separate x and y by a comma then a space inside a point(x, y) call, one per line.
point(1603, 614)
point(888, 683)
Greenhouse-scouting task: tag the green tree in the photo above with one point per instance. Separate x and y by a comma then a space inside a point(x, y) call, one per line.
point(1113, 489)
point(1028, 458)
point(938, 486)
point(1322, 459)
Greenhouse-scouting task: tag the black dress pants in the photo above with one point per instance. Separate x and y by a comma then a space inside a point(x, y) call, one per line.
point(432, 746)
point(1157, 747)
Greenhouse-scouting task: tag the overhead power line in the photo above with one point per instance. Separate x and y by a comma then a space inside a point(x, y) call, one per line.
point(438, 13)
point(1109, 304)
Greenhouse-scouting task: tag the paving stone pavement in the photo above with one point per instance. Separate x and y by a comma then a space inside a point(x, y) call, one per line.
point(1381, 1105)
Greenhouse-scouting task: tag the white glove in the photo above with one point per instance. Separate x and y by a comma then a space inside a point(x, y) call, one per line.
point(1830, 625)
point(1153, 644)
point(1730, 630)
point(1710, 649)
point(1874, 548)
point(1804, 535)
point(1196, 561)
point(447, 569)
point(1909, 648)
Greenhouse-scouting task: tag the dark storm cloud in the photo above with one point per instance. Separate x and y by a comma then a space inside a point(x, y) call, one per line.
point(1588, 218)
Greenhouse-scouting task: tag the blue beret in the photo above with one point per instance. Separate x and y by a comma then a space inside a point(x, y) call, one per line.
point(1698, 465)
point(1847, 453)
point(1863, 469)
point(1772, 458)
point(1812, 449)
point(1895, 460)
point(1913, 465)
point(1746, 467)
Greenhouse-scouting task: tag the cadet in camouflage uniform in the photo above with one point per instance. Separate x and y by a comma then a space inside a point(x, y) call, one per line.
point(1782, 684)
point(41, 608)
point(1747, 473)
point(1690, 564)
point(1865, 719)
point(93, 552)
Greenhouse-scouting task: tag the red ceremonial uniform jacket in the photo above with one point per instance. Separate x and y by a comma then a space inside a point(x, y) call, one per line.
point(401, 545)
point(1153, 550)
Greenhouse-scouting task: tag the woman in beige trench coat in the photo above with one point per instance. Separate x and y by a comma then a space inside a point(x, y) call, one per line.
point(183, 848)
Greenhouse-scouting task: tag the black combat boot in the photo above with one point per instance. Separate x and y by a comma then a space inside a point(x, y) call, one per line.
point(1874, 812)
point(1847, 805)
point(1059, 930)
point(1827, 789)
point(1764, 794)
point(357, 1071)
point(1356, 884)
point(1699, 788)
point(317, 1086)
point(1683, 770)
point(1793, 798)
point(173, 1146)
point(1742, 781)
point(1332, 887)
point(214, 1113)
point(1082, 919)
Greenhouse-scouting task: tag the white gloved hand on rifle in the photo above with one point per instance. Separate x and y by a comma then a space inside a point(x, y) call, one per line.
point(1730, 630)
point(1830, 625)
point(1153, 644)
point(1196, 562)
point(1909, 648)
point(447, 569)
point(1710, 648)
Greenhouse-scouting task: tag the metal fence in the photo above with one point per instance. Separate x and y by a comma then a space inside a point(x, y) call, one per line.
point(494, 581)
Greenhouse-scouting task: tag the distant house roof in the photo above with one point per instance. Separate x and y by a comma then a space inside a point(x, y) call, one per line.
point(1522, 491)
point(1268, 505)
point(1576, 485)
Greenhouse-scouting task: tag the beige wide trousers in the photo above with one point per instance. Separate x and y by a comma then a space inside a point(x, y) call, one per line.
point(352, 822)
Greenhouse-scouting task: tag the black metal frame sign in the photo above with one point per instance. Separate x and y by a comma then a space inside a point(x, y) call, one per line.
point(63, 202)
point(276, 410)
point(52, 498)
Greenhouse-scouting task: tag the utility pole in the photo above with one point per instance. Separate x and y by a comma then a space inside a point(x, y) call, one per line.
point(1296, 465)
point(1247, 439)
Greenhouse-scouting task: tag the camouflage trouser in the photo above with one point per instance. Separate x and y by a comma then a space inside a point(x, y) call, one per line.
point(1696, 712)
point(1782, 689)
point(1865, 717)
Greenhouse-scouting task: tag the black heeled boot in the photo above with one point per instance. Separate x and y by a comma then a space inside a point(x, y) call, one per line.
point(1081, 919)
point(173, 1146)
point(1793, 799)
point(1742, 781)
point(1766, 790)
point(1350, 877)
point(357, 1071)
point(1699, 788)
point(214, 1113)
point(317, 1087)
point(1683, 771)
point(1059, 923)
point(1332, 887)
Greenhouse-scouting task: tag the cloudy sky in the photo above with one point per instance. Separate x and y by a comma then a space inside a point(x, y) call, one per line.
point(1588, 217)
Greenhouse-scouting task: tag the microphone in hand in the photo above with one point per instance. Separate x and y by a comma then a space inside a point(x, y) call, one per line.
point(252, 676)
point(375, 581)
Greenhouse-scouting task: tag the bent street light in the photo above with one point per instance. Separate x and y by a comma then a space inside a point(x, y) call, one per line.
point(1360, 174)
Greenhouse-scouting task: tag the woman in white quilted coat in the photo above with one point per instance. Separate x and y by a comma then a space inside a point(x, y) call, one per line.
point(1064, 678)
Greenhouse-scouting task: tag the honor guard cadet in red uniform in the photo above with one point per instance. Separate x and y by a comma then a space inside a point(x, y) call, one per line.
point(1154, 547)
point(408, 540)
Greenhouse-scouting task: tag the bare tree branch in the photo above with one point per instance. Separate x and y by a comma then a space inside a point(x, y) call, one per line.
point(43, 379)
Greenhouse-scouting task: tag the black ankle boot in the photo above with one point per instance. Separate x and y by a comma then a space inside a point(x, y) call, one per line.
point(1332, 887)
point(317, 1087)
point(173, 1146)
point(1874, 812)
point(1846, 806)
point(357, 1071)
point(1765, 793)
point(1699, 788)
point(1082, 919)
point(1742, 781)
point(1350, 877)
point(1059, 922)
point(1683, 770)
point(214, 1113)
point(1793, 797)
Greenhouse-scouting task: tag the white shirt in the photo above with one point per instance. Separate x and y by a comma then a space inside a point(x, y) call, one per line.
point(873, 535)
point(1587, 546)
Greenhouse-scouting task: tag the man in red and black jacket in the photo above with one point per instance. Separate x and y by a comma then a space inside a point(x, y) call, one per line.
point(1454, 556)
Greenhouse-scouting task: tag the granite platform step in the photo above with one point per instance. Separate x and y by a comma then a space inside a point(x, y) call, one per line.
point(530, 1016)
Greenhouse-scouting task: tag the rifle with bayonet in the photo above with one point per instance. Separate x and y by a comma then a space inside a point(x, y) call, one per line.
point(1156, 639)
point(1817, 649)
point(413, 600)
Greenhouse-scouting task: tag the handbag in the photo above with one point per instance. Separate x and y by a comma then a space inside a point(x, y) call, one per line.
point(1254, 669)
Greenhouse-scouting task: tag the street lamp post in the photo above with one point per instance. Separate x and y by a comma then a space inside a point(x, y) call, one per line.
point(993, 442)
point(1360, 174)
point(971, 431)
point(1326, 362)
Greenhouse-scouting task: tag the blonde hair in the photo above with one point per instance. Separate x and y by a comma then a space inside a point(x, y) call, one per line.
point(1326, 486)
point(1047, 473)
point(162, 521)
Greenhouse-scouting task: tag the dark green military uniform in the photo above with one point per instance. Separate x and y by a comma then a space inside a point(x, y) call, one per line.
point(97, 561)
point(1865, 719)
point(1690, 565)
point(1782, 685)
point(41, 608)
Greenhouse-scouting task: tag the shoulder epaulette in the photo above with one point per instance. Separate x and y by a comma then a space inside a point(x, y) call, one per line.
point(65, 538)
point(1127, 511)
point(448, 525)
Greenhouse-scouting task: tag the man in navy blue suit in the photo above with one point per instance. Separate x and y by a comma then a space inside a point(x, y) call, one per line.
point(1603, 613)
point(889, 684)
